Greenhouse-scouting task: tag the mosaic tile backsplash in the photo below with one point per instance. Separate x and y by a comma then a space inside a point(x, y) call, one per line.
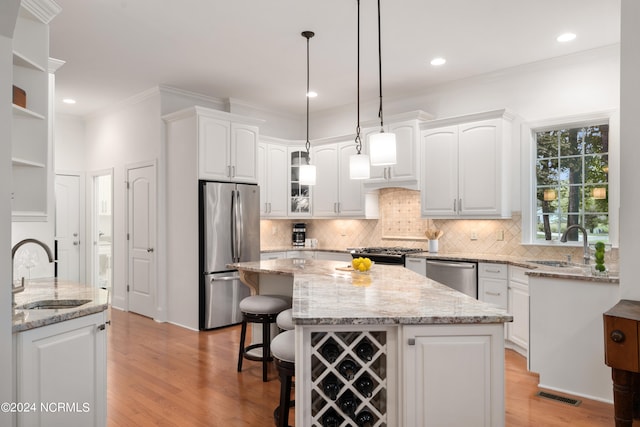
point(400, 224)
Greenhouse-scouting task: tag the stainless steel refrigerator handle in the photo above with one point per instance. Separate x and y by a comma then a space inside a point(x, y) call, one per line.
point(453, 264)
point(234, 226)
point(225, 278)
point(239, 225)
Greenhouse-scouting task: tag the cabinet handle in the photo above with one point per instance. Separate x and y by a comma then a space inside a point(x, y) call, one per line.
point(150, 250)
point(411, 341)
point(492, 271)
point(76, 243)
point(618, 336)
point(459, 205)
point(454, 206)
point(233, 171)
point(101, 327)
point(269, 207)
point(495, 294)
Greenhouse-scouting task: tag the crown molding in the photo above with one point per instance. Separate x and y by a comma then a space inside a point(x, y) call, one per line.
point(55, 64)
point(42, 10)
point(181, 92)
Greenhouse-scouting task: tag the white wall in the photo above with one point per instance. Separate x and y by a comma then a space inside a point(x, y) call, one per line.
point(69, 143)
point(629, 151)
point(124, 136)
point(8, 14)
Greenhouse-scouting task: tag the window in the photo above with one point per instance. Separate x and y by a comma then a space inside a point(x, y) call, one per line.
point(572, 182)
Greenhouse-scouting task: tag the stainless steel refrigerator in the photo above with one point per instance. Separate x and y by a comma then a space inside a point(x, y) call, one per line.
point(229, 232)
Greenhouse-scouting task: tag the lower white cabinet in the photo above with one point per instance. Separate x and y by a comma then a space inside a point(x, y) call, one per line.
point(61, 371)
point(518, 330)
point(273, 255)
point(419, 265)
point(492, 284)
point(453, 375)
point(334, 256)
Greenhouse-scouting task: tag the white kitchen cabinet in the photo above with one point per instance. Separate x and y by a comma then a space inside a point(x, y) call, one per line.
point(301, 254)
point(63, 363)
point(299, 203)
point(227, 148)
point(334, 256)
point(272, 178)
point(566, 345)
point(465, 166)
point(32, 171)
point(273, 255)
point(419, 265)
point(405, 172)
point(518, 330)
point(335, 194)
point(492, 284)
point(465, 361)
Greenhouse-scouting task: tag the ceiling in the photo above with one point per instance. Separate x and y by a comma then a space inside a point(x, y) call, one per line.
point(252, 50)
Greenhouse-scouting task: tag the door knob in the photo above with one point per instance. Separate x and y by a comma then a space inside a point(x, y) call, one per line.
point(149, 250)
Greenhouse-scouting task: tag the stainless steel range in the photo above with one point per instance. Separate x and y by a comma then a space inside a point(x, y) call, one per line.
point(385, 255)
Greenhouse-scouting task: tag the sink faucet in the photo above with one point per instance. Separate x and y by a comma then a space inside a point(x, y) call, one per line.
point(16, 289)
point(563, 239)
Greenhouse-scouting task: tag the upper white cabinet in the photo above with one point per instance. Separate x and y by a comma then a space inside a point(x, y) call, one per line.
point(465, 166)
point(405, 172)
point(272, 178)
point(335, 194)
point(31, 139)
point(227, 144)
point(227, 149)
point(299, 194)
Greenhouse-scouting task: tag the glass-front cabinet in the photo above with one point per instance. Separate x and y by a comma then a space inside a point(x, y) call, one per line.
point(299, 195)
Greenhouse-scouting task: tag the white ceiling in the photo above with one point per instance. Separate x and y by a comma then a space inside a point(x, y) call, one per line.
point(252, 50)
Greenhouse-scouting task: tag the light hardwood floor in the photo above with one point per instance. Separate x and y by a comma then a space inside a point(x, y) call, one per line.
point(163, 375)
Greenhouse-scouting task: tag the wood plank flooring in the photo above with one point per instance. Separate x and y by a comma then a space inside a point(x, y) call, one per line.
point(163, 375)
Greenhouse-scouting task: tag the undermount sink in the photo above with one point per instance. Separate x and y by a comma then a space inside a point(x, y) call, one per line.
point(553, 263)
point(53, 304)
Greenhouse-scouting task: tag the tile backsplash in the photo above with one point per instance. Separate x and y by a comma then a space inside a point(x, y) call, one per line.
point(400, 224)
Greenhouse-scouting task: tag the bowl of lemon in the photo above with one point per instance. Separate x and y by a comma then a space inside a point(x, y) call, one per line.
point(361, 265)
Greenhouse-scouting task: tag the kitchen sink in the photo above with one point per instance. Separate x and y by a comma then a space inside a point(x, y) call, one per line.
point(53, 304)
point(554, 263)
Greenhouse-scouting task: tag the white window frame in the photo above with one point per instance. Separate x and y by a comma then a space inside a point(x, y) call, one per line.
point(528, 171)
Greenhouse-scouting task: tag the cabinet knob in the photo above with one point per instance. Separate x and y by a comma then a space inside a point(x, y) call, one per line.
point(617, 336)
point(149, 250)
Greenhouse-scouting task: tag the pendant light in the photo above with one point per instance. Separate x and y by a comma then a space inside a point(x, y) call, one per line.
point(307, 172)
point(382, 146)
point(359, 163)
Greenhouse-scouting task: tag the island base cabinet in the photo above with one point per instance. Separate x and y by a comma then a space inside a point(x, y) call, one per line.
point(61, 373)
point(344, 372)
point(453, 375)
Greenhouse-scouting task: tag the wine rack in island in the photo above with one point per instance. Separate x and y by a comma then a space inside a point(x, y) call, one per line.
point(349, 379)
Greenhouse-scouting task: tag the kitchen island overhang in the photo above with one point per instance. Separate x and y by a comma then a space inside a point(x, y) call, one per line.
point(435, 355)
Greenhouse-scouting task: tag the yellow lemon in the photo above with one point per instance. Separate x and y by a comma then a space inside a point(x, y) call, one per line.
point(367, 263)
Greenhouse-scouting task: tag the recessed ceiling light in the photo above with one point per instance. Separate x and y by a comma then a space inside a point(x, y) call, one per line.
point(438, 61)
point(312, 94)
point(566, 37)
point(69, 101)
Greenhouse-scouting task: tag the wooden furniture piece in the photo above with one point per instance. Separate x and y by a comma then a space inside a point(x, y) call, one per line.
point(622, 354)
point(283, 348)
point(260, 309)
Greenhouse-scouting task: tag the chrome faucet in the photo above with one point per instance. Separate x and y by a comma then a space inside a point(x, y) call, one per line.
point(563, 239)
point(16, 289)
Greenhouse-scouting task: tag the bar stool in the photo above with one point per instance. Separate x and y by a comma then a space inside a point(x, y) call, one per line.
point(285, 321)
point(284, 354)
point(260, 309)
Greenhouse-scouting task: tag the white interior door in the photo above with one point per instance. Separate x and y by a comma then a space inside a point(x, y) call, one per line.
point(68, 226)
point(102, 229)
point(141, 239)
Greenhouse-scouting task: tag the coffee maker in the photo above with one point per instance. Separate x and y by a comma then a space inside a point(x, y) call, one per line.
point(299, 234)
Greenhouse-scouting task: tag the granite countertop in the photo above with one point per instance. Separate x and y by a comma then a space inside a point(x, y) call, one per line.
point(571, 271)
point(386, 295)
point(53, 289)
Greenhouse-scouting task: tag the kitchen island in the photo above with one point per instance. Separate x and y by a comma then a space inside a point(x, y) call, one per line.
point(399, 348)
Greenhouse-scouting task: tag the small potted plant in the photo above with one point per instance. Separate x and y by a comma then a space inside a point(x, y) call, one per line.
point(599, 268)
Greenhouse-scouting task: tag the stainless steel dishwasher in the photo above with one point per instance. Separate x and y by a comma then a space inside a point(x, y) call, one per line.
point(461, 276)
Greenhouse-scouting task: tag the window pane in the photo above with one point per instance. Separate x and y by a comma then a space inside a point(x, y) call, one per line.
point(597, 198)
point(596, 168)
point(597, 139)
point(598, 227)
point(571, 142)
point(547, 144)
point(570, 169)
point(547, 171)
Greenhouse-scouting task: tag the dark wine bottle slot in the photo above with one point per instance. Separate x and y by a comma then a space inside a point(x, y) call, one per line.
point(348, 403)
point(330, 419)
point(365, 419)
point(330, 352)
point(364, 384)
point(364, 350)
point(348, 369)
point(331, 386)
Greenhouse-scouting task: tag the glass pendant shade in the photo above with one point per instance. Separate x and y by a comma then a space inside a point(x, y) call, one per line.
point(359, 166)
point(307, 174)
point(382, 149)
